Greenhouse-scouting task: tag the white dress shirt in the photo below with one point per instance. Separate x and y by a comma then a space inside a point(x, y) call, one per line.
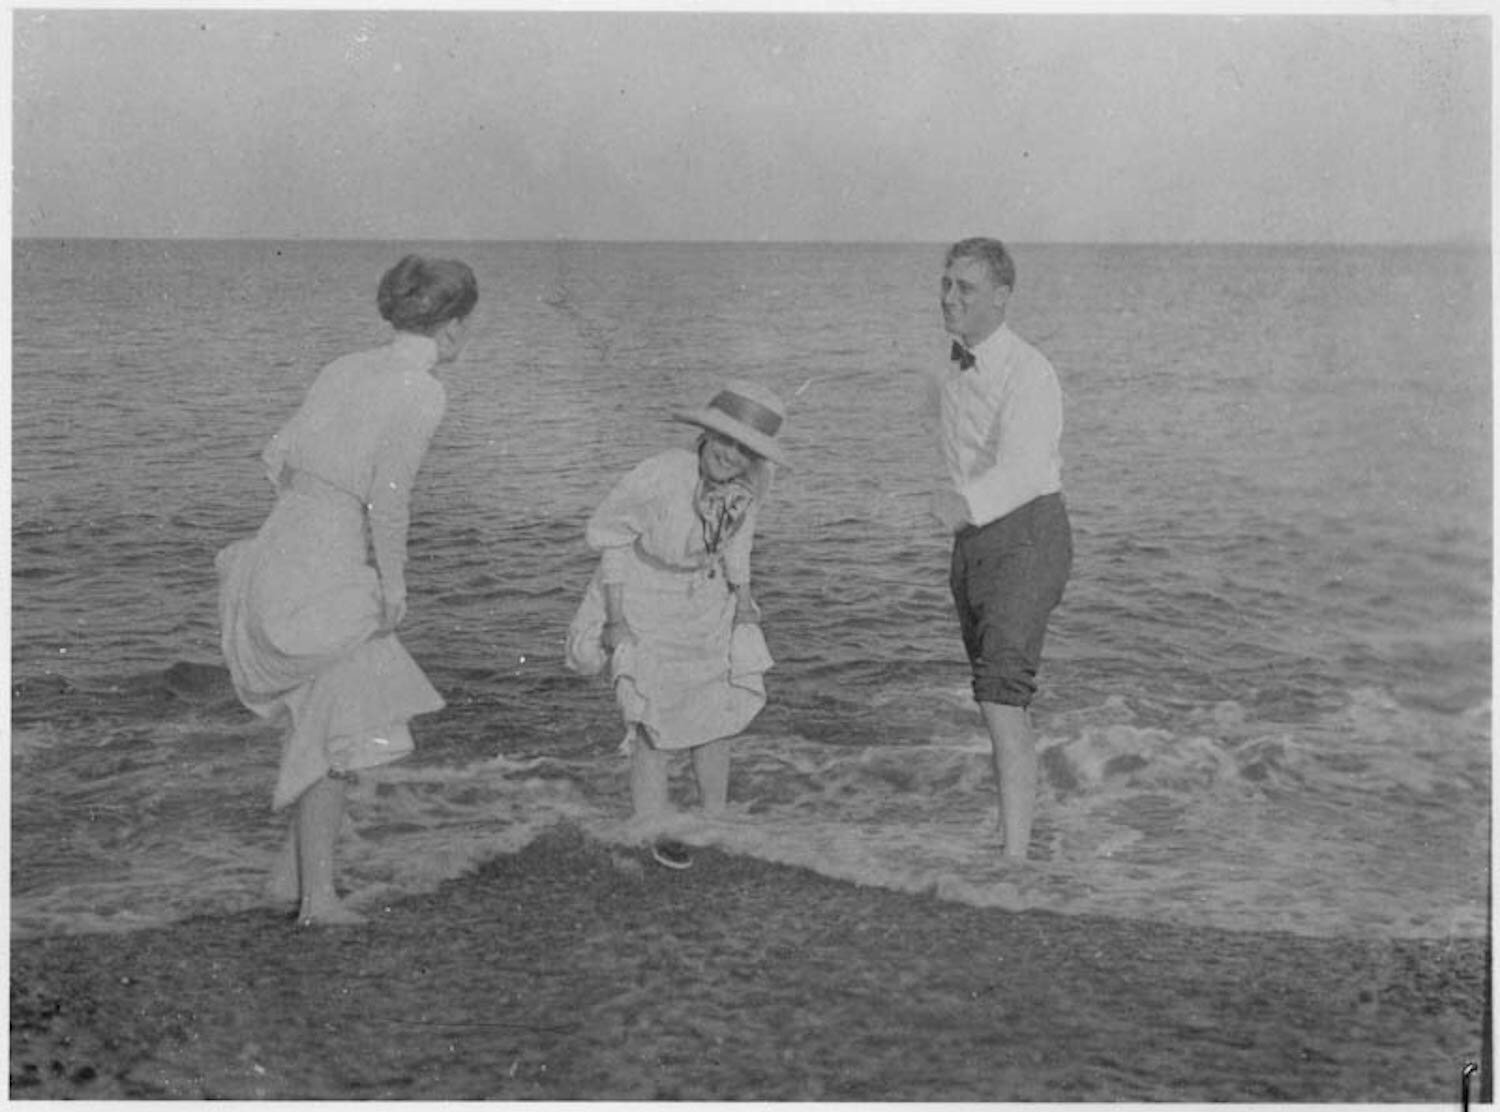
point(1000, 427)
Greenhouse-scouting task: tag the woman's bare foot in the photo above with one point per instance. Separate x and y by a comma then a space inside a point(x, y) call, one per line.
point(320, 811)
point(283, 885)
point(328, 914)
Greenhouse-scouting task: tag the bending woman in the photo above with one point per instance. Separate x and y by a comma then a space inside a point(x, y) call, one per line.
point(310, 604)
point(670, 607)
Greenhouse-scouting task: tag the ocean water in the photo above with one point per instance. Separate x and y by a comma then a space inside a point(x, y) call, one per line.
point(1265, 701)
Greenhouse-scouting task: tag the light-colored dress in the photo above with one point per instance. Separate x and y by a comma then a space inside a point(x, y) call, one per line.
point(300, 603)
point(691, 677)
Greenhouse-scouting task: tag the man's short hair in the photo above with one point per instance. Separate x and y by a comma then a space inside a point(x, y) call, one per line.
point(992, 253)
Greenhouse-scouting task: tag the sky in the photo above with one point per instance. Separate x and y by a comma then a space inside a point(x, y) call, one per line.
point(795, 124)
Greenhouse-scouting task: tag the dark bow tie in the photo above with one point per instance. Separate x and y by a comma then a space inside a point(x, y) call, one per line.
point(962, 356)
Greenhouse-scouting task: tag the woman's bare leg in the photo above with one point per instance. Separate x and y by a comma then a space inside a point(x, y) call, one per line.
point(320, 814)
point(711, 765)
point(284, 886)
point(648, 779)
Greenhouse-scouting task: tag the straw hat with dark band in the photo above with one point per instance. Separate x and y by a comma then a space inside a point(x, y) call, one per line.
point(746, 413)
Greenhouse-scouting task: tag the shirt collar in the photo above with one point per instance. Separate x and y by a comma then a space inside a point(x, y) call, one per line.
point(994, 343)
point(420, 350)
point(989, 350)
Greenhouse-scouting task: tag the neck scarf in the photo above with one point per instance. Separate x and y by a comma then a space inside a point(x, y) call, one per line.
point(721, 509)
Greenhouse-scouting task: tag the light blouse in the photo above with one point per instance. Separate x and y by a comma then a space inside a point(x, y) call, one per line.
point(650, 511)
point(364, 428)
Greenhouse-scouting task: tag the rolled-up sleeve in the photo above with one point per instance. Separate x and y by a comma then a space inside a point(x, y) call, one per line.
point(621, 518)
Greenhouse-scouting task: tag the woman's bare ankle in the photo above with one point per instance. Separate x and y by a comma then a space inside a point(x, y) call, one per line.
point(328, 912)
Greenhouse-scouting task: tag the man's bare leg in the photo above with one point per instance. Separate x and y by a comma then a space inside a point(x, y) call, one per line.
point(1015, 773)
point(284, 886)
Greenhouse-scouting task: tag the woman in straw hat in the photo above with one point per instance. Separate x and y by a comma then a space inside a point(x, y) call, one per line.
point(670, 609)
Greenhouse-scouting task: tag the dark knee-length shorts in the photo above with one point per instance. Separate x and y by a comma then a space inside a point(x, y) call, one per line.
point(1006, 578)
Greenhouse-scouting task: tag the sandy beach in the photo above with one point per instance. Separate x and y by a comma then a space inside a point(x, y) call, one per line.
point(575, 971)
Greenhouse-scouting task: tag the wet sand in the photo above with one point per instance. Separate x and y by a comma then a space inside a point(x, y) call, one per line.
point(572, 971)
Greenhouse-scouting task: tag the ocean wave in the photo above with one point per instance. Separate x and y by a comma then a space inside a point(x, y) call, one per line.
point(1212, 823)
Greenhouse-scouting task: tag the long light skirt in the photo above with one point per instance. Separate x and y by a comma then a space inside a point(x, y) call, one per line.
point(299, 611)
point(678, 681)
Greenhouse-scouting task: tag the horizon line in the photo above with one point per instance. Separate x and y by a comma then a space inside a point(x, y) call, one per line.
point(1451, 242)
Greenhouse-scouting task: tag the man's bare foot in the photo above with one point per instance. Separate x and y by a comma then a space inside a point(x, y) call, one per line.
point(994, 831)
point(282, 887)
point(330, 915)
point(1019, 855)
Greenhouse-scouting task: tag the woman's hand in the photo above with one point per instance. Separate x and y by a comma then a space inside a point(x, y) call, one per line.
point(746, 611)
point(617, 632)
point(393, 609)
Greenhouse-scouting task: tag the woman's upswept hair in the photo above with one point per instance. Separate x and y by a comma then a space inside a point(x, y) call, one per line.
point(421, 295)
point(992, 253)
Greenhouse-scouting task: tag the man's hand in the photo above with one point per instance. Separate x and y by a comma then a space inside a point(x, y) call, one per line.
point(949, 507)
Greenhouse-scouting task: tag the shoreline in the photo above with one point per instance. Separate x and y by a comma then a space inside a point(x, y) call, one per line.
point(577, 971)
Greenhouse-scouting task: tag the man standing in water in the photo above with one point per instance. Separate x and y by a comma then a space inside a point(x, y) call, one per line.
point(999, 427)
